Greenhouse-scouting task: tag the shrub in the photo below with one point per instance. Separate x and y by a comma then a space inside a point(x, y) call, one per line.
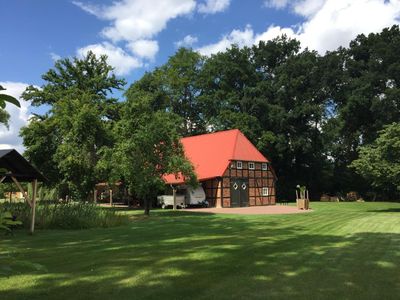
point(65, 215)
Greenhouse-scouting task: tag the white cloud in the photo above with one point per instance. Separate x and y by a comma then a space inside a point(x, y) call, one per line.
point(238, 37)
point(135, 23)
point(213, 6)
point(144, 48)
point(133, 20)
point(117, 57)
point(89, 8)
point(54, 56)
point(278, 4)
point(328, 23)
point(301, 7)
point(188, 41)
point(336, 23)
point(19, 117)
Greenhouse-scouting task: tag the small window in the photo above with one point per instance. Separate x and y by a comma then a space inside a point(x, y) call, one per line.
point(265, 191)
point(264, 166)
point(239, 165)
point(251, 166)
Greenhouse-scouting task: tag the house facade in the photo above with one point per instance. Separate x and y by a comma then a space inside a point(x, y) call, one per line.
point(232, 172)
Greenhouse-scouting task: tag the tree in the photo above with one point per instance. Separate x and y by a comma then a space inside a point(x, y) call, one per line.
point(4, 98)
point(68, 141)
point(379, 162)
point(149, 147)
point(363, 82)
point(175, 88)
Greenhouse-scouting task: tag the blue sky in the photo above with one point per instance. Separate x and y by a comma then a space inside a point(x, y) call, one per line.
point(138, 35)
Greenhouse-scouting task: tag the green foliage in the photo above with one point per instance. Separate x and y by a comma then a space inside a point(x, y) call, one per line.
point(148, 148)
point(379, 162)
point(68, 142)
point(308, 113)
point(65, 215)
point(4, 98)
point(7, 221)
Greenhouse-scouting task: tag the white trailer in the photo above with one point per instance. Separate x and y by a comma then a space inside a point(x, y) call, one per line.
point(187, 196)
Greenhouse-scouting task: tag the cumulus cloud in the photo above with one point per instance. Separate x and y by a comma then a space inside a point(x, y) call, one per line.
point(301, 7)
point(213, 6)
point(328, 23)
point(188, 41)
point(132, 20)
point(144, 48)
point(238, 37)
point(117, 57)
point(133, 24)
point(19, 117)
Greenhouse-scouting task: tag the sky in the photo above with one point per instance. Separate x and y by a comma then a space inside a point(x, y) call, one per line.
point(138, 35)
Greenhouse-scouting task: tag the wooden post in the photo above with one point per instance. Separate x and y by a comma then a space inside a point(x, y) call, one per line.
point(111, 197)
point(95, 196)
point(174, 197)
point(218, 203)
point(26, 197)
point(34, 189)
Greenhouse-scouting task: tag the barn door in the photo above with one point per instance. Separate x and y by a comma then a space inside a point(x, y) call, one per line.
point(239, 192)
point(244, 192)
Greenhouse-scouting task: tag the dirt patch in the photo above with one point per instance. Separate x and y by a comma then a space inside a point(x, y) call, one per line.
point(252, 210)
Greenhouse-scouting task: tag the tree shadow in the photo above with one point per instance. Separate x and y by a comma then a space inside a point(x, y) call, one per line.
point(386, 210)
point(208, 257)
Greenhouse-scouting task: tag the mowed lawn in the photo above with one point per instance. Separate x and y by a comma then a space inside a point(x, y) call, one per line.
point(338, 251)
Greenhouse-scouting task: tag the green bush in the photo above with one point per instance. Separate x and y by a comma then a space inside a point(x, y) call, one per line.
point(65, 215)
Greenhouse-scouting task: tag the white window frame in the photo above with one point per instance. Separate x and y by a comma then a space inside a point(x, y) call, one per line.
point(252, 163)
point(239, 165)
point(264, 166)
point(265, 191)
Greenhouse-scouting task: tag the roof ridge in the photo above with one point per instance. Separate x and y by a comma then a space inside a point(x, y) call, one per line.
point(235, 143)
point(210, 133)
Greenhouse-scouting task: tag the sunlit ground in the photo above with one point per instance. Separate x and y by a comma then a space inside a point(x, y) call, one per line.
point(338, 251)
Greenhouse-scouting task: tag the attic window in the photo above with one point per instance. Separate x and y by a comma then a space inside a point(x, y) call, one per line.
point(265, 191)
point(251, 166)
point(239, 165)
point(264, 166)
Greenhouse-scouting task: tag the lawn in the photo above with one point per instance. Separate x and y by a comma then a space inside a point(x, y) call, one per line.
point(338, 251)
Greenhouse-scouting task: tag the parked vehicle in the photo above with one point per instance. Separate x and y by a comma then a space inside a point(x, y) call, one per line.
point(168, 201)
point(196, 197)
point(185, 197)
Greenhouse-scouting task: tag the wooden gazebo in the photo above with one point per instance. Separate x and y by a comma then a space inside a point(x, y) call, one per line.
point(17, 170)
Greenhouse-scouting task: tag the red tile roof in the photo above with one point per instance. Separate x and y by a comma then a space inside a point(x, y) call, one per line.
point(211, 153)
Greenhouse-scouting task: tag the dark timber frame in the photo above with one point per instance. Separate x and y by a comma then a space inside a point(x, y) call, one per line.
point(218, 190)
point(18, 169)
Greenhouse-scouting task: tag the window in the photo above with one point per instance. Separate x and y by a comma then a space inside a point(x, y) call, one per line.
point(239, 165)
point(265, 191)
point(264, 166)
point(251, 166)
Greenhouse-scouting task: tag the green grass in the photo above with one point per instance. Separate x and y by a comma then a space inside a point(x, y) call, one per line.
point(339, 251)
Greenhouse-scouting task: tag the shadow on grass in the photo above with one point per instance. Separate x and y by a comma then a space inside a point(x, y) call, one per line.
point(388, 210)
point(207, 257)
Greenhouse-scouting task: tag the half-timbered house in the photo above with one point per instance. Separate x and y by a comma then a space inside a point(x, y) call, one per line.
point(231, 170)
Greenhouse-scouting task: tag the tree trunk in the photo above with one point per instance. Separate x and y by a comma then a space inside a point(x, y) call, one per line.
point(146, 207)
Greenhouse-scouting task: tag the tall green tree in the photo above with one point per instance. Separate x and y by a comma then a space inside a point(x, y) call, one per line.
point(68, 141)
point(364, 85)
point(379, 162)
point(149, 147)
point(175, 88)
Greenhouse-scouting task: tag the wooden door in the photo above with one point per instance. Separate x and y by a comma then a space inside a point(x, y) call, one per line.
point(239, 192)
